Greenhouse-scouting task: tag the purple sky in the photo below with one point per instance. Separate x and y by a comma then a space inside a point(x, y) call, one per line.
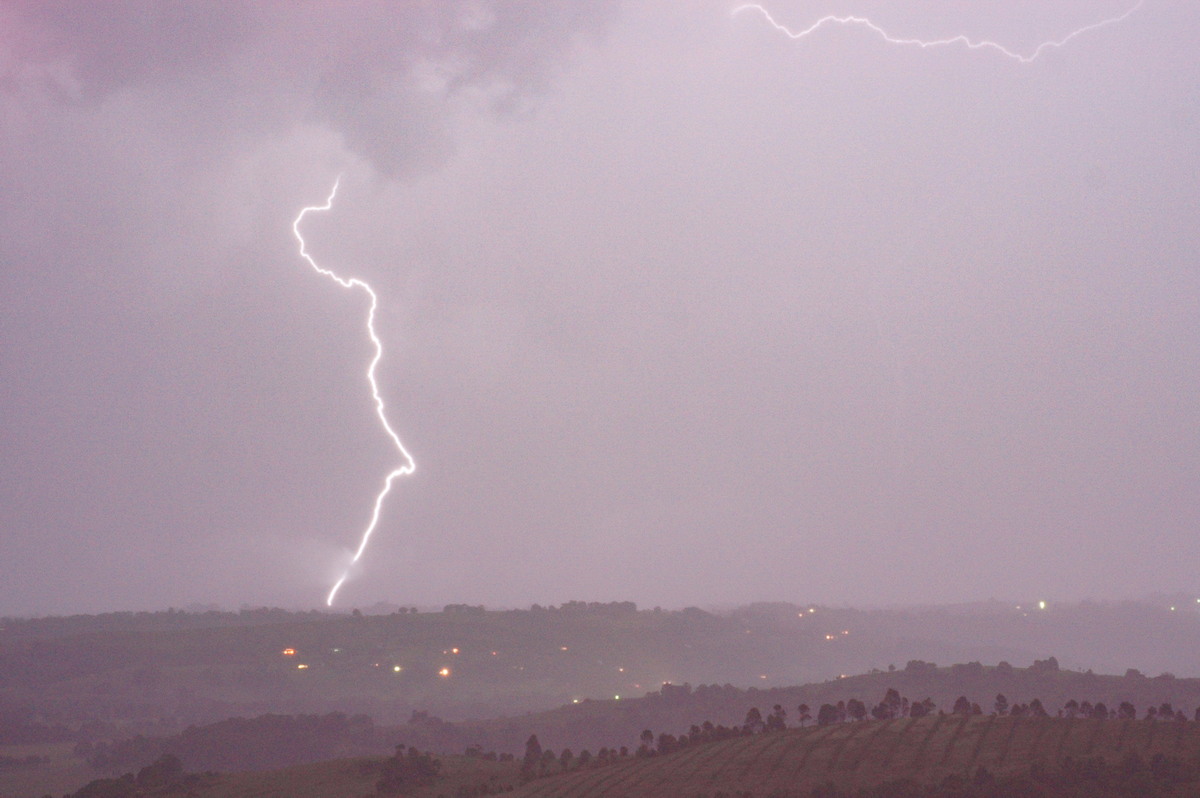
point(675, 309)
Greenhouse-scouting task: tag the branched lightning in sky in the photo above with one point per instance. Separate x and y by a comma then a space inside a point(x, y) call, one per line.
point(408, 465)
point(960, 40)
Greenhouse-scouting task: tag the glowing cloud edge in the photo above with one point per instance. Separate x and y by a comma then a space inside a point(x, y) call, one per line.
point(409, 465)
point(925, 44)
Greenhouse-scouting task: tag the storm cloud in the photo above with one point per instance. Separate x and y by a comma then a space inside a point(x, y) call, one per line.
point(675, 309)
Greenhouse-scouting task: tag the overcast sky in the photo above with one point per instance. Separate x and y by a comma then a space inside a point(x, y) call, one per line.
point(675, 309)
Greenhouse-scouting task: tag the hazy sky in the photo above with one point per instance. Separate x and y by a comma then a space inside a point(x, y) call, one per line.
point(675, 309)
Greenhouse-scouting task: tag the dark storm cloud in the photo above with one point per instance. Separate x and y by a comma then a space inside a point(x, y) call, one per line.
point(381, 74)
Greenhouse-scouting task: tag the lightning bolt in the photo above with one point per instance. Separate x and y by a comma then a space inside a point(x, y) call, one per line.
point(924, 44)
point(408, 465)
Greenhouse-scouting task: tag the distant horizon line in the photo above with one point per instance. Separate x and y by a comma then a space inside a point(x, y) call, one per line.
point(1179, 600)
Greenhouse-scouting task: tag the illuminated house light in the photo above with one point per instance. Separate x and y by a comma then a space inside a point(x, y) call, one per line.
point(289, 652)
point(396, 669)
point(302, 667)
point(444, 672)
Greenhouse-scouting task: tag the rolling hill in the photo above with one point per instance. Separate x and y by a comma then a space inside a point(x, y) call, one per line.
point(925, 750)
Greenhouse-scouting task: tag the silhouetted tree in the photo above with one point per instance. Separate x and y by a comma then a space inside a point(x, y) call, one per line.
point(805, 713)
point(1036, 709)
point(533, 755)
point(894, 702)
point(1001, 704)
point(962, 706)
point(1126, 711)
point(827, 714)
point(404, 772)
point(645, 748)
point(856, 709)
point(1048, 665)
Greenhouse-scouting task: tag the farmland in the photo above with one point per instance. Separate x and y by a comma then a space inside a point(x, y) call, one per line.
point(851, 755)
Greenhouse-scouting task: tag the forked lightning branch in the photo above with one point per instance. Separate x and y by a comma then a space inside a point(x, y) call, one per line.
point(408, 465)
point(960, 40)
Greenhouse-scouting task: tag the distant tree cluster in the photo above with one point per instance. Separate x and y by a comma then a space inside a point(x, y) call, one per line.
point(544, 762)
point(611, 608)
point(402, 771)
point(163, 776)
point(893, 705)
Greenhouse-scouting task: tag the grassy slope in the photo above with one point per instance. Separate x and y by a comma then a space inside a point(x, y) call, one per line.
point(856, 754)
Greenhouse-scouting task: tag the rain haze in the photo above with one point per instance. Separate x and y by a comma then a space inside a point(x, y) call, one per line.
point(674, 308)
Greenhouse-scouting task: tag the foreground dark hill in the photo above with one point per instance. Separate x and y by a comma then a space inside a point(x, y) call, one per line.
point(924, 750)
point(935, 756)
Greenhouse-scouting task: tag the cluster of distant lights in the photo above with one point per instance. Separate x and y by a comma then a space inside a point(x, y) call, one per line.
point(445, 672)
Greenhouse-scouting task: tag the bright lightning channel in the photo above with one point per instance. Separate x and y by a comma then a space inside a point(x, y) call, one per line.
point(409, 465)
point(925, 44)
